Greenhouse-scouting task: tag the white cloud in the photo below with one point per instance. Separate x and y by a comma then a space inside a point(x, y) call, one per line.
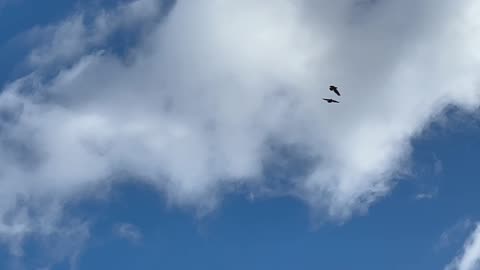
point(76, 35)
point(470, 258)
point(212, 88)
point(128, 232)
point(58, 237)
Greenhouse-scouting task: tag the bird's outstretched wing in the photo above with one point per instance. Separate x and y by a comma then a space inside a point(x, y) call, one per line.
point(333, 100)
point(336, 92)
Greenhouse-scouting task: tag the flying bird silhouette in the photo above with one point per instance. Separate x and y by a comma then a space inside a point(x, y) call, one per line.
point(334, 89)
point(329, 100)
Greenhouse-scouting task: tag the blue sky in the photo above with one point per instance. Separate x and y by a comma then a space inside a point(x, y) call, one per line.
point(159, 135)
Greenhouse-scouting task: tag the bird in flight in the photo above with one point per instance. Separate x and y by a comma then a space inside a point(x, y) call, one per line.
point(329, 100)
point(334, 89)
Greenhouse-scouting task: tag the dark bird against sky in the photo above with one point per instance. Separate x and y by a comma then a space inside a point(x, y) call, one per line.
point(329, 100)
point(334, 89)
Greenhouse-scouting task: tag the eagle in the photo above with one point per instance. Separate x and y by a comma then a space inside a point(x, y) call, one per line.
point(334, 89)
point(329, 100)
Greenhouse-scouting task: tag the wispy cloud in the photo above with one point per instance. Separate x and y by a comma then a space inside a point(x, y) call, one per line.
point(426, 196)
point(437, 165)
point(78, 34)
point(454, 234)
point(128, 232)
point(470, 257)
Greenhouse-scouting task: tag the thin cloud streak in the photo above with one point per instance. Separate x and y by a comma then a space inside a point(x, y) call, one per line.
point(470, 257)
